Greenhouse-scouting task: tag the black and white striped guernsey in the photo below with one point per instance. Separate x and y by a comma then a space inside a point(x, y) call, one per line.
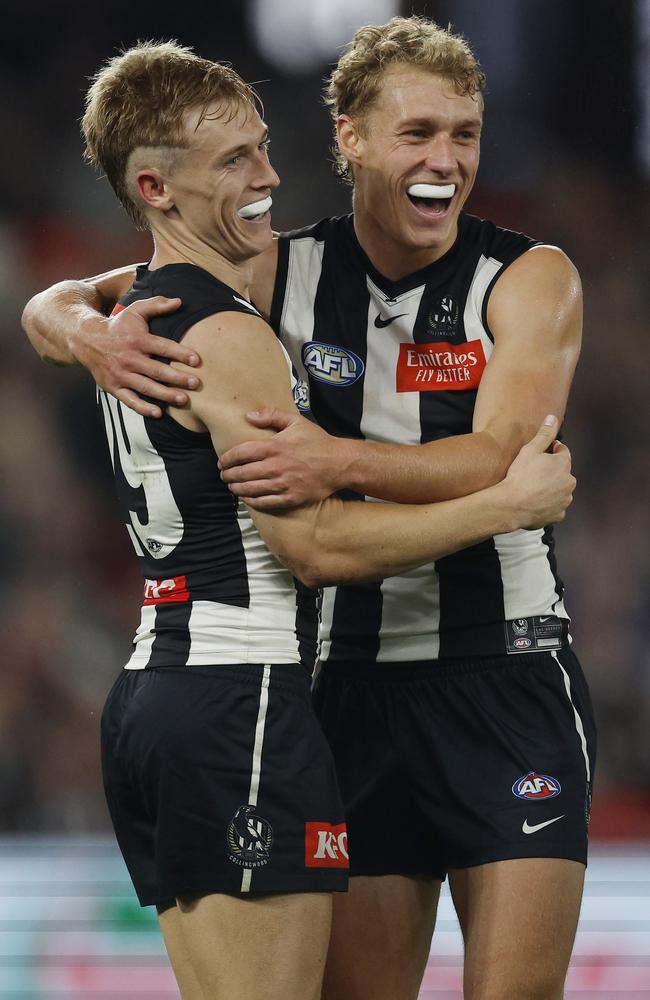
point(213, 593)
point(401, 362)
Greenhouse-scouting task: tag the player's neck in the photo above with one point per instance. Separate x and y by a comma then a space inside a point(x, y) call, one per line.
point(238, 275)
point(394, 259)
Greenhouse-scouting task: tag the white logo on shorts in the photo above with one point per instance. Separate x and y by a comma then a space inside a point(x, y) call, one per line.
point(249, 838)
point(539, 826)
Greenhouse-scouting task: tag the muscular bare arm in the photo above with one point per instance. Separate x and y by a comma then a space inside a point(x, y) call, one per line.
point(66, 325)
point(57, 319)
point(535, 315)
point(244, 365)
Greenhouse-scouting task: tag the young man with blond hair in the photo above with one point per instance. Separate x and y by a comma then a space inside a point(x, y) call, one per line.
point(428, 344)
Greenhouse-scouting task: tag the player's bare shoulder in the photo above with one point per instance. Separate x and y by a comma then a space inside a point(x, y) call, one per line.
point(541, 288)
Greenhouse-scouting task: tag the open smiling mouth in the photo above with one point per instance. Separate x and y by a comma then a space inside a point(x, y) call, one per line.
point(431, 200)
point(255, 211)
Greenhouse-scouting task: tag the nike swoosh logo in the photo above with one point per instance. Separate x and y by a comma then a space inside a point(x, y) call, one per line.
point(539, 826)
point(546, 619)
point(381, 322)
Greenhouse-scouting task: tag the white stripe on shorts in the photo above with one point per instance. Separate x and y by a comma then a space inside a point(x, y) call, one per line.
point(578, 720)
point(257, 759)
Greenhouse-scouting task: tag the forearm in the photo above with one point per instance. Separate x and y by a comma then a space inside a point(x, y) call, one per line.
point(53, 318)
point(348, 542)
point(439, 470)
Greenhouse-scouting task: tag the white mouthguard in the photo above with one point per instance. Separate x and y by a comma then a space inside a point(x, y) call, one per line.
point(432, 190)
point(255, 208)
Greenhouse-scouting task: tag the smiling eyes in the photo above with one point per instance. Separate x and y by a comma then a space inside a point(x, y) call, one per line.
point(237, 158)
point(464, 135)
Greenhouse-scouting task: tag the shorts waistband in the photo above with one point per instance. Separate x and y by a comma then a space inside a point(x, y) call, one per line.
point(293, 675)
point(415, 670)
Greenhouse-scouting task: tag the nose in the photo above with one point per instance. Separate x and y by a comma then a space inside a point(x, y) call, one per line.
point(266, 175)
point(440, 157)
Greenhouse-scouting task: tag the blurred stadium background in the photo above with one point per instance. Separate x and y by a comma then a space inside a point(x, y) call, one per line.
point(566, 158)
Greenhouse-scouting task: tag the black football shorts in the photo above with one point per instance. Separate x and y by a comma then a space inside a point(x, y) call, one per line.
point(451, 764)
point(219, 780)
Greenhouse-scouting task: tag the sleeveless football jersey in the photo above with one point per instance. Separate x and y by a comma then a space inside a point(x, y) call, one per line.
point(213, 592)
point(401, 361)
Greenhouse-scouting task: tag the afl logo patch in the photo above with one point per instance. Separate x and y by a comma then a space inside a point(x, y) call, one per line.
point(534, 787)
point(249, 838)
point(331, 364)
point(522, 643)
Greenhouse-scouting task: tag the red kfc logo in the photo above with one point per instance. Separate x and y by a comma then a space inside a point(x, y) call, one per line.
point(168, 591)
point(326, 846)
point(426, 367)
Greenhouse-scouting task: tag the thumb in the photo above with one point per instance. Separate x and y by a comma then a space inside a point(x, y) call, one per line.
point(155, 306)
point(546, 434)
point(269, 416)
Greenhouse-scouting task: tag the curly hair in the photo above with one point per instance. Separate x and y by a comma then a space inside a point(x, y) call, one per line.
point(355, 82)
point(139, 99)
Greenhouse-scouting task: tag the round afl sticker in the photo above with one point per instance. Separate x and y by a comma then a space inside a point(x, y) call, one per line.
point(534, 787)
point(331, 364)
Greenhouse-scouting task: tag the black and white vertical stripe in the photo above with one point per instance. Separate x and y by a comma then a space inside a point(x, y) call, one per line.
point(328, 292)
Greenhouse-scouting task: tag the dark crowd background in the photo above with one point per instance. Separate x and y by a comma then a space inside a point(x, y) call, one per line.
point(566, 158)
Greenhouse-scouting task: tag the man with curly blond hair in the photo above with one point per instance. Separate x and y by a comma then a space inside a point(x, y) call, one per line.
point(427, 343)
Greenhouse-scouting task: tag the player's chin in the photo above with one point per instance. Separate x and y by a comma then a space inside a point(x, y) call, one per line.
point(427, 237)
point(257, 241)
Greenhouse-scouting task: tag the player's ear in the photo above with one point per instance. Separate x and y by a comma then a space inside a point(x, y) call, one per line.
point(151, 187)
point(349, 138)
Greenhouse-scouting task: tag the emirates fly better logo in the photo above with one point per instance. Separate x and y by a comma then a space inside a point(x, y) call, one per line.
point(427, 367)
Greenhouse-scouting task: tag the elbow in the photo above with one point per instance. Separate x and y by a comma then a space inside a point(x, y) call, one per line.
point(317, 568)
point(327, 570)
point(312, 571)
point(297, 555)
point(29, 324)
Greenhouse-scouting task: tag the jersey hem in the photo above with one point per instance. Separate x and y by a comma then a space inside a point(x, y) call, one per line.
point(220, 658)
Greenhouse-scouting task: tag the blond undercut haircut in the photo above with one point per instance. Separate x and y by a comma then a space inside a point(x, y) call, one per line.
point(139, 100)
point(355, 82)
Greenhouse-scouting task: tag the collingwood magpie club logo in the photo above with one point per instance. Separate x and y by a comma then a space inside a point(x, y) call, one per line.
point(520, 626)
point(249, 838)
point(443, 318)
point(301, 395)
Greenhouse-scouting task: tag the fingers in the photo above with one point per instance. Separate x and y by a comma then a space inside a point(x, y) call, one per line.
point(147, 387)
point(259, 488)
point(242, 455)
point(136, 364)
point(164, 348)
point(157, 305)
point(270, 416)
point(545, 435)
point(270, 502)
point(140, 406)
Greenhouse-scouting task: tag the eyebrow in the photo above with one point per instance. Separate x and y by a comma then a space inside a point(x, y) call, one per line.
point(243, 146)
point(475, 122)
